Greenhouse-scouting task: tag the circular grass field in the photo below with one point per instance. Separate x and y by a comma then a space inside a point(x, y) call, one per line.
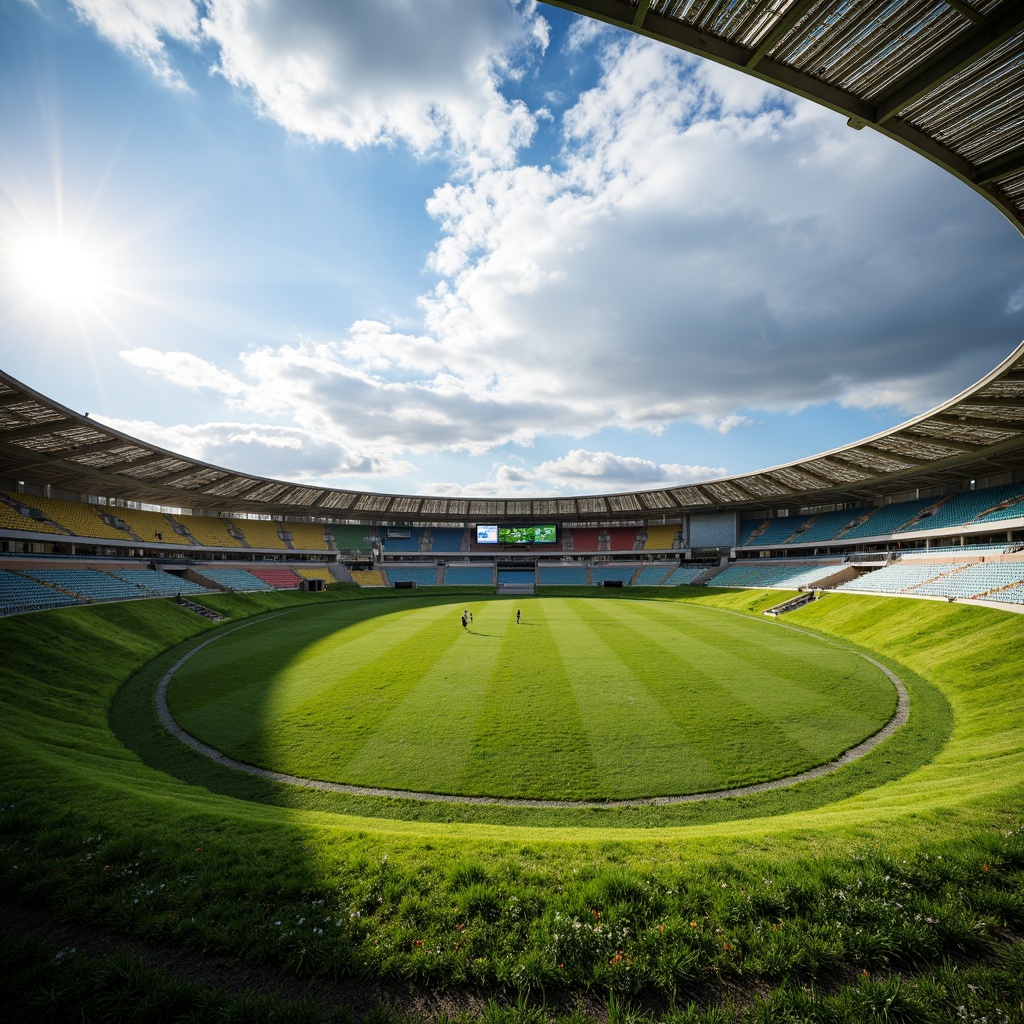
point(585, 699)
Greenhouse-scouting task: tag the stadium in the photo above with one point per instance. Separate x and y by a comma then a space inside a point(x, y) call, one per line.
point(748, 748)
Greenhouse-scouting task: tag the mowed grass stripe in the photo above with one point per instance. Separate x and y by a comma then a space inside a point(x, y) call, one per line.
point(686, 679)
point(824, 701)
point(427, 739)
point(776, 726)
point(530, 741)
point(312, 713)
point(638, 746)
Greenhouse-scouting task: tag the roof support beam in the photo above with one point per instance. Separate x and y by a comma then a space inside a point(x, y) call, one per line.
point(948, 62)
point(967, 11)
point(976, 421)
point(943, 442)
point(15, 398)
point(36, 430)
point(641, 13)
point(785, 23)
point(1001, 167)
point(997, 403)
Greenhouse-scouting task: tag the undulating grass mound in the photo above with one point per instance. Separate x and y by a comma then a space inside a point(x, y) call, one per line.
point(898, 893)
point(581, 699)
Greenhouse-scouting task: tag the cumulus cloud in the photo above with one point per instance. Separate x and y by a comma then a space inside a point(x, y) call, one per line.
point(602, 471)
point(263, 449)
point(355, 74)
point(578, 470)
point(142, 27)
point(703, 247)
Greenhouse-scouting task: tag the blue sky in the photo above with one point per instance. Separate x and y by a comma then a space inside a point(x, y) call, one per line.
point(532, 256)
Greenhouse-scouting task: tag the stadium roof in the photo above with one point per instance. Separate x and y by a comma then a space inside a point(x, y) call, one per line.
point(944, 77)
point(977, 434)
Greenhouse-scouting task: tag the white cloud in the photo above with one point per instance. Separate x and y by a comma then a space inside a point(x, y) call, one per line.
point(140, 28)
point(263, 449)
point(363, 74)
point(702, 248)
point(578, 470)
point(603, 471)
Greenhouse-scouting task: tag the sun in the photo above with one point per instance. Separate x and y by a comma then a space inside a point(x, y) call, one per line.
point(59, 270)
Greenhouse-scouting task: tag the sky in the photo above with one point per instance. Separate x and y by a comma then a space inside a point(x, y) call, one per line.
point(481, 248)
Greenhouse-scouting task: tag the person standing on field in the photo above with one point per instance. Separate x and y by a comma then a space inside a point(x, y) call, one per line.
point(519, 615)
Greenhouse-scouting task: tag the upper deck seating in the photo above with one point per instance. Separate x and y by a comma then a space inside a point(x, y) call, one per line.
point(1011, 510)
point(612, 573)
point(234, 579)
point(661, 538)
point(352, 538)
point(306, 536)
point(965, 506)
point(777, 531)
point(82, 519)
point(16, 513)
point(622, 538)
point(586, 539)
point(394, 544)
point(211, 531)
point(279, 579)
point(469, 575)
point(562, 576)
point(21, 594)
point(824, 527)
point(447, 540)
point(421, 575)
point(261, 533)
point(150, 526)
point(887, 519)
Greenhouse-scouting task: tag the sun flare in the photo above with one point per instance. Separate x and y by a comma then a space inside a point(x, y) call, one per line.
point(59, 270)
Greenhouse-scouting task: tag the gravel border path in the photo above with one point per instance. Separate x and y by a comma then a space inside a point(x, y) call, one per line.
point(167, 720)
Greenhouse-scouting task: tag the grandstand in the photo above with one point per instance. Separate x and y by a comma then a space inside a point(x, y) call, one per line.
point(421, 575)
point(661, 538)
point(774, 576)
point(160, 584)
point(618, 573)
point(306, 536)
point(653, 575)
point(370, 578)
point(562, 576)
point(471, 575)
point(20, 593)
point(279, 579)
point(233, 579)
point(317, 574)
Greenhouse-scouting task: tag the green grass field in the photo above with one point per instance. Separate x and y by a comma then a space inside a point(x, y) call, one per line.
point(585, 699)
point(891, 890)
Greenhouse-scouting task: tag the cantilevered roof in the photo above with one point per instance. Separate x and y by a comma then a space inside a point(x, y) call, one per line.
point(977, 434)
point(944, 77)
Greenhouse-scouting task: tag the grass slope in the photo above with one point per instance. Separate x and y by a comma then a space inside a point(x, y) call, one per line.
point(902, 900)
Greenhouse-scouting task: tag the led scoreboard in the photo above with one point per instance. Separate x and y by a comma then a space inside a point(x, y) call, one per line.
point(489, 533)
